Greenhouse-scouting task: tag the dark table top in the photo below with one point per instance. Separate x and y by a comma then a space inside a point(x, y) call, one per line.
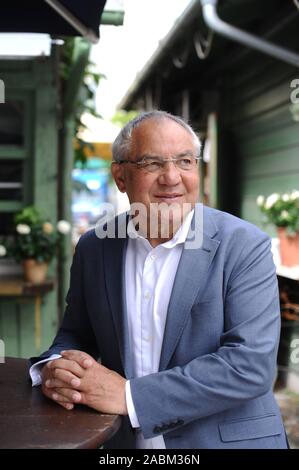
point(29, 420)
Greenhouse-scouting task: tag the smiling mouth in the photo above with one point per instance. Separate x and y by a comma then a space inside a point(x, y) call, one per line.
point(168, 196)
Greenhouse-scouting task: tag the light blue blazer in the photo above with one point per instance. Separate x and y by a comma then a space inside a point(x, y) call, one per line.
point(218, 361)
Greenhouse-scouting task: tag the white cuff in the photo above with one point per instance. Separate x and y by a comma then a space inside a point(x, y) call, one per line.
point(131, 407)
point(34, 370)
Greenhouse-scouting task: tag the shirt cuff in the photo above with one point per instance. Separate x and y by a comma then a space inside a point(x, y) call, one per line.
point(131, 407)
point(35, 370)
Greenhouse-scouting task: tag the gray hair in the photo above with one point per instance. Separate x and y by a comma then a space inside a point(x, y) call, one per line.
point(122, 144)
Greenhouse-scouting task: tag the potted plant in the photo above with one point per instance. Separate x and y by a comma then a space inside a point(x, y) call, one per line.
point(34, 242)
point(282, 210)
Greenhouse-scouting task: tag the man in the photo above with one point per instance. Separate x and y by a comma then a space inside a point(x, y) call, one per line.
point(187, 335)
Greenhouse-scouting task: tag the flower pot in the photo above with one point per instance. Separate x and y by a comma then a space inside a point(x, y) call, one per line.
point(34, 271)
point(289, 248)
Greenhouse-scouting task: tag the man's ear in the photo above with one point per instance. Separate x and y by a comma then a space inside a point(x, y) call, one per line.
point(117, 172)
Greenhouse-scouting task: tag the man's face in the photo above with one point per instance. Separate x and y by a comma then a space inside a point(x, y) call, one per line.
point(166, 139)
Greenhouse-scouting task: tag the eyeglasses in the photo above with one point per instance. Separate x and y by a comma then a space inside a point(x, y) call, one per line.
point(157, 164)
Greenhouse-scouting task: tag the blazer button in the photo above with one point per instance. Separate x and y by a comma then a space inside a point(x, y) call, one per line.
point(157, 429)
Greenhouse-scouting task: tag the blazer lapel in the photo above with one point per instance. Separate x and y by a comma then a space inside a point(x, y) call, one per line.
point(114, 266)
point(193, 267)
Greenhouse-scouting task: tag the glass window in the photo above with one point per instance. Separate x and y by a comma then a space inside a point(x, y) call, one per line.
point(12, 123)
point(11, 180)
point(6, 223)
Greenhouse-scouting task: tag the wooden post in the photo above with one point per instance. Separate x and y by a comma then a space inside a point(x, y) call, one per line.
point(66, 160)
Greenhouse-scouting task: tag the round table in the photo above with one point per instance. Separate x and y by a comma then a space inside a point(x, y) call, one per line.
point(28, 420)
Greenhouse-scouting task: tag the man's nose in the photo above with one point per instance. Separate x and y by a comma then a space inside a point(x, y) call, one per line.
point(170, 174)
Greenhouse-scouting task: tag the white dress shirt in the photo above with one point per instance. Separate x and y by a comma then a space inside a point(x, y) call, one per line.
point(149, 275)
point(149, 278)
point(35, 370)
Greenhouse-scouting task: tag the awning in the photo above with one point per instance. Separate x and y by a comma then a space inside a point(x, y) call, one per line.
point(55, 17)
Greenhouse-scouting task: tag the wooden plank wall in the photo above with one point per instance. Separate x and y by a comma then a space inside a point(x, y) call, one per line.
point(17, 316)
point(265, 135)
point(266, 141)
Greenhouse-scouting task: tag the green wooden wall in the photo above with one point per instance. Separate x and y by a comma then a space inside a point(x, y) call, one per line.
point(266, 138)
point(265, 143)
point(35, 82)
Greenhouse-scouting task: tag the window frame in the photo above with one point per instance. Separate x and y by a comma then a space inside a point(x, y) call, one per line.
point(22, 153)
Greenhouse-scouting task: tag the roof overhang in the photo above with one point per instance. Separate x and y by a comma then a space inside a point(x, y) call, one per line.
point(164, 50)
point(55, 17)
point(168, 66)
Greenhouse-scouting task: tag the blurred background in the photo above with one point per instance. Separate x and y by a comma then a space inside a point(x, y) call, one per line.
point(72, 73)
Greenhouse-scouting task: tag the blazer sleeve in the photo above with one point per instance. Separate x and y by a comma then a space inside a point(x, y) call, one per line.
point(241, 369)
point(75, 331)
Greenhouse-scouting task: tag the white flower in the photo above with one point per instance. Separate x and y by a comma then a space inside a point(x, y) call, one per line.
point(63, 227)
point(2, 250)
point(23, 229)
point(271, 200)
point(284, 214)
point(294, 195)
point(285, 197)
point(260, 200)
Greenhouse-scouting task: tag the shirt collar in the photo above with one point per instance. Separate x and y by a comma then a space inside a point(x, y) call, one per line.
point(179, 237)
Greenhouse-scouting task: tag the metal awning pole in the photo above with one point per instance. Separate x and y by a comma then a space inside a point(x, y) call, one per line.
point(73, 21)
point(209, 9)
